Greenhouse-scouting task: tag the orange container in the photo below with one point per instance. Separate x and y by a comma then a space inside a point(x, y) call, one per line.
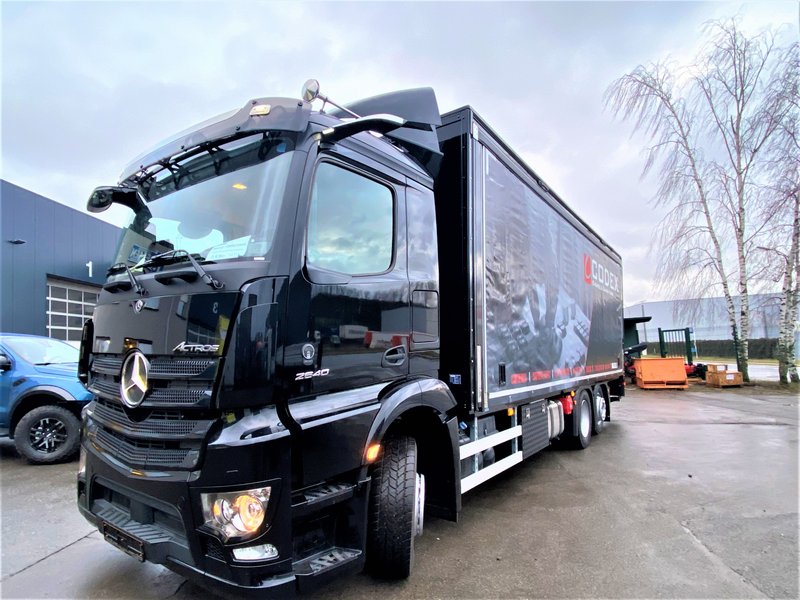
point(660, 373)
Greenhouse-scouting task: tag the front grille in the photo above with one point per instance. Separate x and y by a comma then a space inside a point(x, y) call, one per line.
point(107, 364)
point(172, 396)
point(161, 424)
point(179, 382)
point(160, 367)
point(146, 454)
point(168, 428)
point(199, 394)
point(105, 387)
point(164, 367)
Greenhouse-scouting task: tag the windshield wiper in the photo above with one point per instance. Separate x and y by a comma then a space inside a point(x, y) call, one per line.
point(132, 282)
point(173, 256)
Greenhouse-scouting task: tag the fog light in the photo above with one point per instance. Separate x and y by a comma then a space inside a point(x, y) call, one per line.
point(262, 552)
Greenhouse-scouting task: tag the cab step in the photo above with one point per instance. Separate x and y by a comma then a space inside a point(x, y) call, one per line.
point(325, 560)
point(321, 496)
point(319, 568)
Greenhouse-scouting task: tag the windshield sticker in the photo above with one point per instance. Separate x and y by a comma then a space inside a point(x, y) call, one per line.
point(231, 249)
point(136, 254)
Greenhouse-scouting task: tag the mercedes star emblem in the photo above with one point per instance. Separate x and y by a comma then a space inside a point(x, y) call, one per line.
point(133, 379)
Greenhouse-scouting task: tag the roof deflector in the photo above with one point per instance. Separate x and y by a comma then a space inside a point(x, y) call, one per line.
point(418, 107)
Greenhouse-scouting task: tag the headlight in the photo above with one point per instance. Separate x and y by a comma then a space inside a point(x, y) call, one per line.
point(236, 514)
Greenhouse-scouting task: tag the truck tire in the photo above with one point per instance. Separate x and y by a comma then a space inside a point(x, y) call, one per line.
point(600, 409)
point(47, 434)
point(395, 512)
point(585, 416)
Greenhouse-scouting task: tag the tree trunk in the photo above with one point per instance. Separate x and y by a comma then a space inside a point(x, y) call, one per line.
point(790, 294)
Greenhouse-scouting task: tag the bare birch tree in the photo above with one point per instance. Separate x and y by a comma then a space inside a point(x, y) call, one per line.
point(712, 126)
point(782, 254)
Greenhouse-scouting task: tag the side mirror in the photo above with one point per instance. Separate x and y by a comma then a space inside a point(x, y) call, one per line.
point(310, 90)
point(5, 363)
point(105, 196)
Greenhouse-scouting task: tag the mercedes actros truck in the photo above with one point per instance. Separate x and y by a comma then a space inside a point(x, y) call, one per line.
point(321, 326)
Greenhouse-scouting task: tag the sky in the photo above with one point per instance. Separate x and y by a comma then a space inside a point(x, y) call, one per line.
point(87, 86)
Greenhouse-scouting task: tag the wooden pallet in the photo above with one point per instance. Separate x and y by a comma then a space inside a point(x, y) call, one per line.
point(661, 385)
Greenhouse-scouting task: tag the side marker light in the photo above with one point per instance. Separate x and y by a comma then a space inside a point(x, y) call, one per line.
point(372, 452)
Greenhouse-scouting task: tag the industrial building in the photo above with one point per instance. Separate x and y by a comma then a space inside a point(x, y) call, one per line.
point(708, 318)
point(54, 260)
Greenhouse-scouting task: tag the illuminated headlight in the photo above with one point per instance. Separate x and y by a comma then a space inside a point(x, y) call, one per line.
point(236, 514)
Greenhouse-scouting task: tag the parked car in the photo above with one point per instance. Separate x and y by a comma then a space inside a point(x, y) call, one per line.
point(40, 397)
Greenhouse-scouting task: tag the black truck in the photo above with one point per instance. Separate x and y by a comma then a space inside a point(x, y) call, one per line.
point(321, 326)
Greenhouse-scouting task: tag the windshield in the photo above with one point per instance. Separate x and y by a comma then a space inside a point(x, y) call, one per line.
point(220, 203)
point(41, 351)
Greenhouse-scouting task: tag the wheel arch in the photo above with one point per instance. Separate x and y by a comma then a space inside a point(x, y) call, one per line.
point(423, 409)
point(45, 395)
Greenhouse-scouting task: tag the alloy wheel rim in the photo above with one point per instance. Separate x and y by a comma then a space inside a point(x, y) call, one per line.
point(601, 407)
point(47, 435)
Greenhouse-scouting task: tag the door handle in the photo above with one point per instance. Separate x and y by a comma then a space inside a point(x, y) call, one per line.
point(394, 357)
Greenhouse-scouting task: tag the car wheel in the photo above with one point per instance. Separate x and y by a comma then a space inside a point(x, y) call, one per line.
point(47, 434)
point(397, 501)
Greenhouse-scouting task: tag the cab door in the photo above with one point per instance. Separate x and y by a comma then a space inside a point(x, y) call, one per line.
point(354, 286)
point(349, 315)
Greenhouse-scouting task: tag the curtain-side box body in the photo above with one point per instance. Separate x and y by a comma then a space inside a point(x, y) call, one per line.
point(531, 296)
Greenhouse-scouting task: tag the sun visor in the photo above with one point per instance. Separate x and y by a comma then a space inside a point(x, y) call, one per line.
point(416, 106)
point(261, 114)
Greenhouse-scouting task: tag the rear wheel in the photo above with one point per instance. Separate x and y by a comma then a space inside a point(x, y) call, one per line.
point(585, 417)
point(600, 410)
point(396, 511)
point(47, 434)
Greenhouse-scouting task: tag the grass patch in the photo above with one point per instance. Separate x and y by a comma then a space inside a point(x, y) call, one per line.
point(790, 389)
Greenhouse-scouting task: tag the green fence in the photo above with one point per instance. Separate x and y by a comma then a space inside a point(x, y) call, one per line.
point(757, 348)
point(676, 343)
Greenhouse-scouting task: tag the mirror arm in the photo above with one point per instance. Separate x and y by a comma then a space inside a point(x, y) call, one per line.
point(377, 123)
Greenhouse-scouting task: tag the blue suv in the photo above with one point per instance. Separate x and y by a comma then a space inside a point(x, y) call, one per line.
point(40, 397)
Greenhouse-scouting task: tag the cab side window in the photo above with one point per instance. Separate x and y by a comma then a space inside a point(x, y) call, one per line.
point(351, 222)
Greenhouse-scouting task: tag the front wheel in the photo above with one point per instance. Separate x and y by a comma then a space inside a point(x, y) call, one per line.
point(47, 434)
point(396, 511)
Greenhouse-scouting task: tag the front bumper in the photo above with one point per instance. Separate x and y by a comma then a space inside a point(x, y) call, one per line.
point(156, 516)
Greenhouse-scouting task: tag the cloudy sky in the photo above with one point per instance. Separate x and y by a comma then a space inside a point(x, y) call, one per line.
point(87, 86)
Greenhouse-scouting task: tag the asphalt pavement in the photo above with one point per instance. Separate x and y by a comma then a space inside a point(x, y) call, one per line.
point(686, 494)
